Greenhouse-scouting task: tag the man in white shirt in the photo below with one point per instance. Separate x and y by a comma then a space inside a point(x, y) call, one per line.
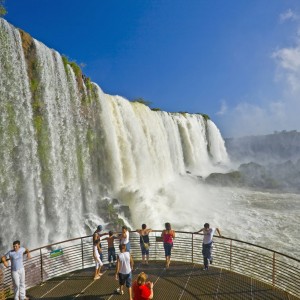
point(123, 270)
point(17, 268)
point(208, 234)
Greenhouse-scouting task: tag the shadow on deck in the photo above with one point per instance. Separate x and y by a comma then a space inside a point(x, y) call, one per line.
point(180, 281)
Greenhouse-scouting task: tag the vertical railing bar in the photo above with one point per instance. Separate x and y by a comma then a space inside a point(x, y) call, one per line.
point(192, 247)
point(273, 270)
point(230, 257)
point(41, 258)
point(82, 262)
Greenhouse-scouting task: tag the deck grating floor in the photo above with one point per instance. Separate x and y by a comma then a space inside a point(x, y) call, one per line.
point(182, 281)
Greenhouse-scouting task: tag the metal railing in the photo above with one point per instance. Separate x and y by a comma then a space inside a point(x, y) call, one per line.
point(271, 267)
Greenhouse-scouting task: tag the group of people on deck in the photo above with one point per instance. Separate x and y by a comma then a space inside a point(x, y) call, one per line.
point(123, 262)
point(141, 288)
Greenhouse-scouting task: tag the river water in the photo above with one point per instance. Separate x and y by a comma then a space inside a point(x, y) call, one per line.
point(270, 220)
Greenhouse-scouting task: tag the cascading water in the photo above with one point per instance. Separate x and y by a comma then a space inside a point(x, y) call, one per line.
point(65, 145)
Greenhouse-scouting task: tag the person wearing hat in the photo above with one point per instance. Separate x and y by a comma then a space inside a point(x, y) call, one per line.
point(97, 236)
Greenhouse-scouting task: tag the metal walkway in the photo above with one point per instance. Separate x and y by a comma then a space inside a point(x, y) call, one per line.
point(180, 281)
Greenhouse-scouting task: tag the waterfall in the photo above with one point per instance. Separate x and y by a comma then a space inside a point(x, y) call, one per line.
point(65, 145)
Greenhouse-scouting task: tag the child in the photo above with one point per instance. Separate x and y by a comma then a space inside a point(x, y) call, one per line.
point(98, 262)
point(111, 248)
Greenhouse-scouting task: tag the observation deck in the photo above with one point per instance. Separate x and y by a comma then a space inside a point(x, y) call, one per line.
point(240, 270)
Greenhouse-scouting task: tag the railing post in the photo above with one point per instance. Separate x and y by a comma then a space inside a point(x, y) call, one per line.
point(273, 270)
point(230, 253)
point(41, 258)
point(192, 247)
point(82, 262)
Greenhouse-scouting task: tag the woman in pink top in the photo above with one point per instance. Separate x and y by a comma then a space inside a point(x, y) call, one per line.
point(168, 236)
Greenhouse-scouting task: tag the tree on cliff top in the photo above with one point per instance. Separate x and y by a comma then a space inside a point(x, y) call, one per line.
point(3, 11)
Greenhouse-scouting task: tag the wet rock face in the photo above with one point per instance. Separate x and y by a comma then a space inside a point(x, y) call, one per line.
point(124, 209)
point(111, 211)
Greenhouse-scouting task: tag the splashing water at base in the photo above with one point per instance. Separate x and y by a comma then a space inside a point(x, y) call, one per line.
point(267, 219)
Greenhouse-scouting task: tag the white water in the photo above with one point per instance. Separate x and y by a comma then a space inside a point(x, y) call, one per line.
point(53, 176)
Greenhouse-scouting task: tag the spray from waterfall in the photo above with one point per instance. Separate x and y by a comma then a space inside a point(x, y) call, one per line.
point(65, 145)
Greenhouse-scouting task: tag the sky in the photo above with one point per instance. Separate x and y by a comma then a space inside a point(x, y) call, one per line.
point(237, 61)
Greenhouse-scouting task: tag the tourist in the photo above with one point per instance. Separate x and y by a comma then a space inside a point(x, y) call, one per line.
point(111, 251)
point(124, 238)
point(123, 270)
point(168, 236)
point(17, 268)
point(208, 234)
point(97, 236)
point(98, 261)
point(142, 290)
point(144, 242)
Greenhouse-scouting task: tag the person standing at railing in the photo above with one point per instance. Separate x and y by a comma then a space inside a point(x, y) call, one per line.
point(98, 261)
point(144, 243)
point(168, 236)
point(208, 234)
point(124, 238)
point(124, 270)
point(111, 251)
point(97, 236)
point(17, 268)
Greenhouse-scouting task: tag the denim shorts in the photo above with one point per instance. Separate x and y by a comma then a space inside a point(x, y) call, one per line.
point(125, 278)
point(168, 248)
point(144, 251)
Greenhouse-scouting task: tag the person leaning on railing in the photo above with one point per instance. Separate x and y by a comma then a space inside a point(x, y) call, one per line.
point(17, 268)
point(168, 235)
point(124, 238)
point(207, 243)
point(144, 242)
point(97, 236)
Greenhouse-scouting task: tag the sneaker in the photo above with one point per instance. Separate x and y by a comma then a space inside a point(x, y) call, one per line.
point(96, 277)
point(205, 269)
point(120, 292)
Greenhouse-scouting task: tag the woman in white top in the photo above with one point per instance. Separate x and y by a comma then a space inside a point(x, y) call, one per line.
point(124, 238)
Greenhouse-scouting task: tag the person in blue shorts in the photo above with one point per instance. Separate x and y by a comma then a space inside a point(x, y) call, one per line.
point(144, 243)
point(124, 270)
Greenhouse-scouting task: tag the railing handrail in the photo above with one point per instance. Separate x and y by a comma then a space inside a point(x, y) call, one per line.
point(277, 269)
point(185, 232)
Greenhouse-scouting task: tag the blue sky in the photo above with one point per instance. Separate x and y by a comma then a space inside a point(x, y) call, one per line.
point(236, 60)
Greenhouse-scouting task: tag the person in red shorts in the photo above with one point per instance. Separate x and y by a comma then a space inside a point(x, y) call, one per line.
point(142, 290)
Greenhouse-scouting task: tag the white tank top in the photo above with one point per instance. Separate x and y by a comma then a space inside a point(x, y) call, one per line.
point(126, 239)
point(124, 259)
point(208, 235)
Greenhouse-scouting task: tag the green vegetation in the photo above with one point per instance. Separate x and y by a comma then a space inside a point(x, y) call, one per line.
point(142, 101)
point(156, 109)
point(3, 10)
point(80, 162)
point(76, 69)
point(73, 65)
point(80, 78)
point(40, 122)
point(205, 116)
